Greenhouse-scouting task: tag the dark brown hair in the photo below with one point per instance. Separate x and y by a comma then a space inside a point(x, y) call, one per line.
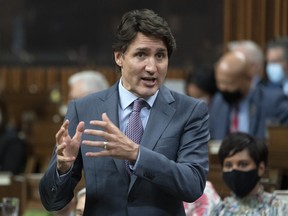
point(146, 22)
point(237, 142)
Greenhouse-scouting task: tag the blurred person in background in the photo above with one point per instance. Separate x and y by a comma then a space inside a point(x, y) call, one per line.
point(13, 153)
point(86, 82)
point(244, 161)
point(242, 103)
point(201, 84)
point(277, 63)
point(204, 205)
point(83, 83)
point(80, 205)
point(254, 57)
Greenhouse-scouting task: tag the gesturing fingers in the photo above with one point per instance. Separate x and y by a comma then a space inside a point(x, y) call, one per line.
point(63, 131)
point(61, 157)
point(112, 128)
point(79, 131)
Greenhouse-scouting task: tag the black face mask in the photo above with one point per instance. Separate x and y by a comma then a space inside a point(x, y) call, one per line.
point(240, 182)
point(232, 97)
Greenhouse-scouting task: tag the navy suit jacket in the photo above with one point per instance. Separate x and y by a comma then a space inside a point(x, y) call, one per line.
point(267, 106)
point(172, 167)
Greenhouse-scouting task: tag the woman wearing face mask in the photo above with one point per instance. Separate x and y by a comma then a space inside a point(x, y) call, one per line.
point(244, 161)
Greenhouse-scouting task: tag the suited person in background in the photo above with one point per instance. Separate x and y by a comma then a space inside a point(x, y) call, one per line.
point(166, 167)
point(243, 103)
point(277, 63)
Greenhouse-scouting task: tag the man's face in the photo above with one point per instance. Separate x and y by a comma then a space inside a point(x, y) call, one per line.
point(232, 77)
point(228, 80)
point(144, 65)
point(276, 55)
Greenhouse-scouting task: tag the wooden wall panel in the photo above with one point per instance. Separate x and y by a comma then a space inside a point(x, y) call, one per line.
point(27, 89)
point(258, 20)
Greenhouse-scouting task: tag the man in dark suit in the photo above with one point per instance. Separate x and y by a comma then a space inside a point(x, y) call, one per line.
point(166, 167)
point(243, 102)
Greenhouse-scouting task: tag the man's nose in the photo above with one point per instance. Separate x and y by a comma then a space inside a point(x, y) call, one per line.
point(151, 65)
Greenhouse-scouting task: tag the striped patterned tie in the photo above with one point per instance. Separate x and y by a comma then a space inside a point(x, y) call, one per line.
point(134, 129)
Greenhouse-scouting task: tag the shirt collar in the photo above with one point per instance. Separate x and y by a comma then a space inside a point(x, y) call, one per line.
point(127, 97)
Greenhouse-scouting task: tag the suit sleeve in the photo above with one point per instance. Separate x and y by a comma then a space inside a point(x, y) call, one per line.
point(56, 194)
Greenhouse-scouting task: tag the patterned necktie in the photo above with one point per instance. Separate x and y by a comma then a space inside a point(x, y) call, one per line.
point(134, 129)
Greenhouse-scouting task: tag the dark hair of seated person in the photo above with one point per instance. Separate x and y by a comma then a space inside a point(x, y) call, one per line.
point(204, 78)
point(237, 142)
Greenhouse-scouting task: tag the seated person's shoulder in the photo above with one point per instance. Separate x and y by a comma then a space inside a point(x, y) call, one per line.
point(276, 202)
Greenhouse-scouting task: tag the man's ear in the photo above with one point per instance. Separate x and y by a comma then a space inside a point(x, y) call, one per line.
point(118, 58)
point(261, 169)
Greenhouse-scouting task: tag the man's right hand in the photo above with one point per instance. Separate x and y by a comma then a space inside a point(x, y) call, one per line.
point(67, 149)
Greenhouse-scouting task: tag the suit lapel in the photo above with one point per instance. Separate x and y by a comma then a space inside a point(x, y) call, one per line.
point(160, 116)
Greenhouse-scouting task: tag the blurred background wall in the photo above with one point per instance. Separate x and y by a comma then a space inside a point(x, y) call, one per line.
point(65, 32)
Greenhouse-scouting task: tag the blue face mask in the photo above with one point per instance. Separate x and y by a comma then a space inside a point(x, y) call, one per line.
point(275, 72)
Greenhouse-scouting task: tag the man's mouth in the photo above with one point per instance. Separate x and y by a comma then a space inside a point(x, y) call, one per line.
point(149, 80)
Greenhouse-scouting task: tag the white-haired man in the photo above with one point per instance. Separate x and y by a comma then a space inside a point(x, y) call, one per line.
point(86, 82)
point(253, 53)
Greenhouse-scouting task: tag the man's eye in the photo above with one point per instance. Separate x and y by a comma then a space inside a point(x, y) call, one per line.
point(140, 54)
point(160, 55)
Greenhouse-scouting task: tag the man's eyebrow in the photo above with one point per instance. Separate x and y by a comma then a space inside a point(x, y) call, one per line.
point(147, 49)
point(142, 49)
point(162, 50)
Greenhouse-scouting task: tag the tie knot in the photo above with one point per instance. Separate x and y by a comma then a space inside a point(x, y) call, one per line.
point(138, 104)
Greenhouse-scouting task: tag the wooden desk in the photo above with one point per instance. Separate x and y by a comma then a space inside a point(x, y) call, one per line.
point(16, 188)
point(278, 147)
point(278, 154)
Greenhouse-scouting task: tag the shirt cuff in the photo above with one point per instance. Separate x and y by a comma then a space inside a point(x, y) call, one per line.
point(63, 177)
point(134, 167)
